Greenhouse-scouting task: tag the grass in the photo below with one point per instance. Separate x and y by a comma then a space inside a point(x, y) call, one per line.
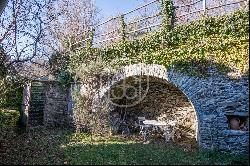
point(122, 151)
point(62, 146)
point(42, 146)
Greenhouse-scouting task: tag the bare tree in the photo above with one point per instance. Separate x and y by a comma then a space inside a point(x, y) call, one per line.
point(23, 24)
point(32, 29)
point(72, 22)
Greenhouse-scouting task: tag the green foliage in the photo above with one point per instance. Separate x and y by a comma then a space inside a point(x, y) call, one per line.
point(93, 74)
point(65, 78)
point(58, 62)
point(192, 48)
point(10, 84)
point(13, 95)
point(86, 71)
point(8, 117)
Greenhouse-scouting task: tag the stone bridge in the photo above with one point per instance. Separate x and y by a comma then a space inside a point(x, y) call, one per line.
point(215, 99)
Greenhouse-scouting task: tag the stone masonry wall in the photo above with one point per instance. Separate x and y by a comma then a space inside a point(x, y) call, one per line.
point(213, 98)
point(56, 107)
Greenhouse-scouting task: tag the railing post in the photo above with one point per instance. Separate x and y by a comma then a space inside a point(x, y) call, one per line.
point(167, 11)
point(205, 7)
point(123, 26)
point(68, 43)
point(91, 38)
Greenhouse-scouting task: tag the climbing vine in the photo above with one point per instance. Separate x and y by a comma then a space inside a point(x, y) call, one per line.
point(167, 11)
point(192, 48)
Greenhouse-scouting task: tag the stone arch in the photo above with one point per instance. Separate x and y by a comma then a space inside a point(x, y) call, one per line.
point(150, 70)
point(213, 98)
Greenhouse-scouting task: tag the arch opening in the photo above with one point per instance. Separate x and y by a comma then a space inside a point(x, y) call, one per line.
point(155, 99)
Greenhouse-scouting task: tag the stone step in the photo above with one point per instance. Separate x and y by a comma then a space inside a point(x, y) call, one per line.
point(35, 114)
point(37, 96)
point(40, 120)
point(37, 86)
point(35, 122)
point(37, 91)
point(35, 111)
point(31, 121)
point(36, 117)
point(36, 108)
point(36, 105)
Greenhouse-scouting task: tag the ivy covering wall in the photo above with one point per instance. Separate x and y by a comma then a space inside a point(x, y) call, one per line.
point(192, 48)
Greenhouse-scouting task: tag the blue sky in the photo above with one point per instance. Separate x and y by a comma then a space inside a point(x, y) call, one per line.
point(114, 7)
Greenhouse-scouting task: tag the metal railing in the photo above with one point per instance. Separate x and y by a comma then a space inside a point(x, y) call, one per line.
point(148, 18)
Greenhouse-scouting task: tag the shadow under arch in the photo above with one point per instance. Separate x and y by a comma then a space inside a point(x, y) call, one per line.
point(147, 72)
